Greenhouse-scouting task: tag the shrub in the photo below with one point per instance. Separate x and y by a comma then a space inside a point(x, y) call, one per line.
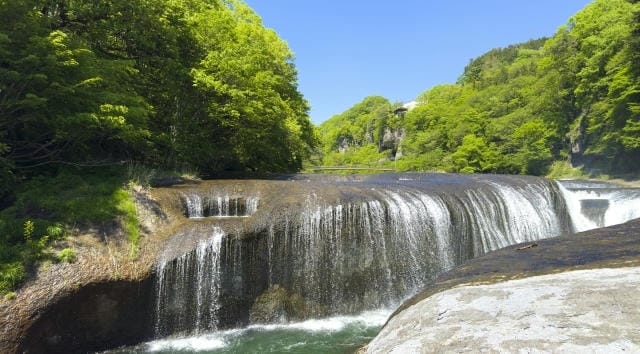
point(67, 255)
point(11, 274)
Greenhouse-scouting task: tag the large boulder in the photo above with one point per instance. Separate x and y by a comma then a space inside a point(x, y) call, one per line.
point(574, 293)
point(277, 304)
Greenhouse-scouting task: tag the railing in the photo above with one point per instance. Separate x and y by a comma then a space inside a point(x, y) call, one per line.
point(350, 168)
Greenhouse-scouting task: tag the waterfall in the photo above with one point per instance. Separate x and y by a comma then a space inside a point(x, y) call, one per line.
point(215, 205)
point(316, 248)
point(599, 204)
point(340, 247)
point(358, 255)
point(188, 288)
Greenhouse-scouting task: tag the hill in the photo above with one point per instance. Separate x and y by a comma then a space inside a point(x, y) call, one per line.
point(530, 108)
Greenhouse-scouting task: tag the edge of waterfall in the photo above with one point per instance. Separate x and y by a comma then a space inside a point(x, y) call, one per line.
point(100, 279)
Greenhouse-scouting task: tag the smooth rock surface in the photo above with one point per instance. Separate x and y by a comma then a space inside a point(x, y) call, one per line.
point(594, 311)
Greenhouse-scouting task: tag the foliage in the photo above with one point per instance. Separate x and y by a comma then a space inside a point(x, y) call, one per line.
point(358, 132)
point(525, 108)
point(67, 255)
point(48, 207)
point(170, 83)
point(474, 155)
point(11, 275)
point(126, 208)
point(89, 86)
point(563, 169)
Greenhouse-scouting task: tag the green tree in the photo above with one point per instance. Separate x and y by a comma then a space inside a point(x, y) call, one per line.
point(59, 101)
point(249, 83)
point(475, 155)
point(532, 155)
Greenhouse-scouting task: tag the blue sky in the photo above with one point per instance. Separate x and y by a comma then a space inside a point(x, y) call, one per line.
point(349, 49)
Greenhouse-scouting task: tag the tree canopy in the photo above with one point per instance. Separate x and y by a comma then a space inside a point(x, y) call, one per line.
point(200, 83)
point(171, 84)
point(574, 96)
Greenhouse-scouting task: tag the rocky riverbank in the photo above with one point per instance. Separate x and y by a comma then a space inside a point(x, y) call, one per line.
point(567, 293)
point(345, 236)
point(68, 304)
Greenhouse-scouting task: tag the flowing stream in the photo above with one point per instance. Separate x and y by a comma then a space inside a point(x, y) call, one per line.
point(317, 266)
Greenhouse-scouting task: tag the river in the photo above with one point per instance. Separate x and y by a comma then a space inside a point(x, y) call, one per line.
point(315, 264)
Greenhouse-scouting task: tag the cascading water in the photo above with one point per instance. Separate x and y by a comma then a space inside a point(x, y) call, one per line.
point(345, 247)
point(599, 204)
point(199, 206)
point(317, 248)
point(188, 288)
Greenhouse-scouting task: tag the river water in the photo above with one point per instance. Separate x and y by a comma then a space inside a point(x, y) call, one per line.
point(340, 334)
point(349, 251)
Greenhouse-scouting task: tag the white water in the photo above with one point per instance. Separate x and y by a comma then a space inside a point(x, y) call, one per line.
point(222, 339)
point(622, 205)
point(218, 205)
point(352, 256)
point(510, 215)
point(349, 255)
point(179, 279)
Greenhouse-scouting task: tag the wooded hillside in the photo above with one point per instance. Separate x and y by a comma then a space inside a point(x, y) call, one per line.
point(572, 97)
point(91, 87)
point(198, 83)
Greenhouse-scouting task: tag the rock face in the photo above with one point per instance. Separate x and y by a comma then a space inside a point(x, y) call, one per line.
point(514, 300)
point(579, 311)
point(101, 301)
point(391, 140)
point(277, 304)
point(97, 316)
point(344, 144)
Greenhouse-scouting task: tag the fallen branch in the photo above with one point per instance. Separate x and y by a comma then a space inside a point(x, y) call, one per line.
point(527, 247)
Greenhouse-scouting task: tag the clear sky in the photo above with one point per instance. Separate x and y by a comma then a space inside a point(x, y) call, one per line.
point(349, 49)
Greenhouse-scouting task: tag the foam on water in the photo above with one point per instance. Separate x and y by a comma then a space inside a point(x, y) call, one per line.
point(222, 339)
point(374, 318)
point(196, 344)
point(622, 204)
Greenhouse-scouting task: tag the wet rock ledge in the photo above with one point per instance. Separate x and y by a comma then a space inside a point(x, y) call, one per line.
point(571, 293)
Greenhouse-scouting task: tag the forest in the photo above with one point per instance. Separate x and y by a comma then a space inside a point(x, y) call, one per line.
point(97, 97)
point(537, 108)
point(199, 83)
point(93, 91)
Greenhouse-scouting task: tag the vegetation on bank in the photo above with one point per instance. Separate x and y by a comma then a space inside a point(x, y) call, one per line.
point(524, 109)
point(87, 87)
point(49, 208)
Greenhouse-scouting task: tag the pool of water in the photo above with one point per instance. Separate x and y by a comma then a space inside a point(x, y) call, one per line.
point(341, 334)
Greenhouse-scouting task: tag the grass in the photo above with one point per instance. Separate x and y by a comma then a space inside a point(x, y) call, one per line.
point(67, 255)
point(127, 209)
point(49, 208)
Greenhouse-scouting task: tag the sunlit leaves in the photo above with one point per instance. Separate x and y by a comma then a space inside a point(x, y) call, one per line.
point(519, 108)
